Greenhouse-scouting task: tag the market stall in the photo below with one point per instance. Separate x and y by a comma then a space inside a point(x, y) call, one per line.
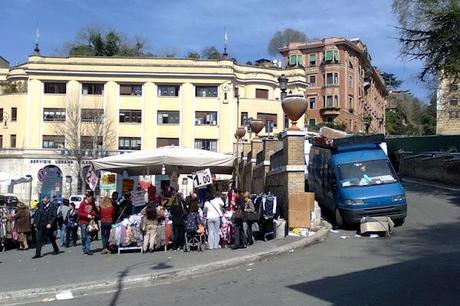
point(171, 160)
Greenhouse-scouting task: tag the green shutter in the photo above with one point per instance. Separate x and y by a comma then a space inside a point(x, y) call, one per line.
point(329, 55)
point(336, 55)
point(299, 60)
point(292, 60)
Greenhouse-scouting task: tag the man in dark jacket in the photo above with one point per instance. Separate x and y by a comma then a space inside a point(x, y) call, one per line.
point(45, 220)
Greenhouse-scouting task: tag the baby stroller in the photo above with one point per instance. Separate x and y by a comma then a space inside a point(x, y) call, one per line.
point(194, 233)
point(194, 239)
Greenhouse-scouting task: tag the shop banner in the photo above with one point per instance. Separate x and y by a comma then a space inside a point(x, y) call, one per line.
point(202, 178)
point(108, 182)
point(91, 178)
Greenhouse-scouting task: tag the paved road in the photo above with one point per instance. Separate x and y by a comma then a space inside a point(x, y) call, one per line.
point(418, 265)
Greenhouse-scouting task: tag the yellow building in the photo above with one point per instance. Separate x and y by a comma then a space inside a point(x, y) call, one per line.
point(448, 108)
point(114, 104)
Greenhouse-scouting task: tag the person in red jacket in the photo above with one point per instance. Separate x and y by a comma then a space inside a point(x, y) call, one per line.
point(86, 212)
point(107, 217)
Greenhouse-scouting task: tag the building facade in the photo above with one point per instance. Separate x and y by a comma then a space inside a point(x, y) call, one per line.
point(54, 107)
point(344, 88)
point(448, 108)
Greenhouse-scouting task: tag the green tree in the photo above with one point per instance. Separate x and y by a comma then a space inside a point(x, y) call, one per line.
point(193, 55)
point(283, 38)
point(211, 52)
point(430, 31)
point(93, 41)
point(391, 81)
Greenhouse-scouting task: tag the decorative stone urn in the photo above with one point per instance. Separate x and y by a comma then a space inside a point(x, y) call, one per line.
point(240, 132)
point(257, 126)
point(294, 106)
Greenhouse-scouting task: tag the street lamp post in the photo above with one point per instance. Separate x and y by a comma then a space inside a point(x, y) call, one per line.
point(239, 134)
point(5, 118)
point(30, 188)
point(283, 81)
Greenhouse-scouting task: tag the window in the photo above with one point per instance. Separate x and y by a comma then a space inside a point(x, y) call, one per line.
point(261, 93)
point(54, 114)
point(91, 115)
point(295, 60)
point(331, 56)
point(312, 80)
point(55, 88)
point(206, 144)
point(350, 102)
point(350, 64)
point(14, 114)
point(205, 118)
point(53, 142)
point(312, 59)
point(1, 141)
point(331, 78)
point(453, 102)
point(91, 142)
point(312, 102)
point(168, 91)
point(1, 114)
point(168, 117)
point(454, 115)
point(311, 122)
point(13, 141)
point(271, 120)
point(163, 142)
point(92, 89)
point(331, 101)
point(129, 143)
point(244, 118)
point(350, 81)
point(131, 89)
point(130, 115)
point(206, 91)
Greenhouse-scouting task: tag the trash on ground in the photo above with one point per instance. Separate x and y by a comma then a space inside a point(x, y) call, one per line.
point(371, 225)
point(374, 236)
point(66, 295)
point(250, 264)
point(344, 237)
point(48, 300)
point(334, 231)
point(298, 231)
point(292, 251)
point(358, 236)
point(248, 270)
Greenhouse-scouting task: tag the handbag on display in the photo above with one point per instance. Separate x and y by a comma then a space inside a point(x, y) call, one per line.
point(92, 227)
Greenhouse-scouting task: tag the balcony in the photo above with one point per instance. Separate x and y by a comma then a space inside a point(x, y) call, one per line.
point(330, 111)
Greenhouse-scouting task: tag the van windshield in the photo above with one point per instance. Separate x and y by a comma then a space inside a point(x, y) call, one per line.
point(366, 173)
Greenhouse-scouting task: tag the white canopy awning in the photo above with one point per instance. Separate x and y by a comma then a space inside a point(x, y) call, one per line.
point(9, 179)
point(184, 160)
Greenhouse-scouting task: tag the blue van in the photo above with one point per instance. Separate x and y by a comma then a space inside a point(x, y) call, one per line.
point(352, 178)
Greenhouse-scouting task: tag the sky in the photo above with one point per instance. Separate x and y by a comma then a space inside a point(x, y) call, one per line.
point(190, 25)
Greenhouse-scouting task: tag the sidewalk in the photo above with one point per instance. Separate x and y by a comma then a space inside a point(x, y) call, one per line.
point(46, 276)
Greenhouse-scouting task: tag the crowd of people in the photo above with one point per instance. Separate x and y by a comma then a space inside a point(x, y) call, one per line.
point(222, 221)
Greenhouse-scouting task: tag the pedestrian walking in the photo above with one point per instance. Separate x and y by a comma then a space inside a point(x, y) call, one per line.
point(247, 224)
point(71, 225)
point(62, 211)
point(107, 216)
point(45, 220)
point(87, 212)
point(213, 213)
point(239, 220)
point(22, 220)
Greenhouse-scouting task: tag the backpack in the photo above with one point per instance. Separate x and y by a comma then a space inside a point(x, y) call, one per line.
point(268, 211)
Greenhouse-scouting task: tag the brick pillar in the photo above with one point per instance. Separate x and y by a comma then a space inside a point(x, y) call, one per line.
point(294, 161)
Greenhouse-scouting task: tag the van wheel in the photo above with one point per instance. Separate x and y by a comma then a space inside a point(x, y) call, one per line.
point(399, 222)
point(338, 218)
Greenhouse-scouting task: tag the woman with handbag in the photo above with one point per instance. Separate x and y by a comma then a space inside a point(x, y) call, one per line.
point(213, 213)
point(87, 213)
point(22, 218)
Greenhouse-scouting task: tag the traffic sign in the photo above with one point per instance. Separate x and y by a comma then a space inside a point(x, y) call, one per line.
point(202, 178)
point(41, 174)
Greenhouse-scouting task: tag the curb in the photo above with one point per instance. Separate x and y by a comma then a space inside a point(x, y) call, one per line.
point(82, 288)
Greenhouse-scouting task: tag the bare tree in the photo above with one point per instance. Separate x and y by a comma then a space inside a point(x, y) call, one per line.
point(88, 132)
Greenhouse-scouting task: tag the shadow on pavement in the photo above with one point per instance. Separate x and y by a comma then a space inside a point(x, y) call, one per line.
point(452, 196)
point(428, 273)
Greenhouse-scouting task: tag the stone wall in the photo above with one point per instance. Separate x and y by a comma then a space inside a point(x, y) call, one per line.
point(440, 169)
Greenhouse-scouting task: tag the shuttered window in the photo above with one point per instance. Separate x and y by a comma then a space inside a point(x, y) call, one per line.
point(261, 93)
point(163, 142)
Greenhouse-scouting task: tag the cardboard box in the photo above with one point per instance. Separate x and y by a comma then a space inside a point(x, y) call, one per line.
point(299, 209)
point(376, 225)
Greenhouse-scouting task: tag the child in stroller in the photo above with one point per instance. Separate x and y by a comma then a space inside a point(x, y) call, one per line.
point(194, 230)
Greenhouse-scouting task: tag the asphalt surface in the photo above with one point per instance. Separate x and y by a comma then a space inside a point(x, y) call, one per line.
point(418, 265)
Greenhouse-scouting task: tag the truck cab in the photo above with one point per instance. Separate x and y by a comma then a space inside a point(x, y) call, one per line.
point(352, 178)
